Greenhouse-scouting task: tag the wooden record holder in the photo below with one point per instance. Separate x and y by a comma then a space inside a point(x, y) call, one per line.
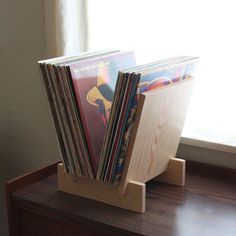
point(151, 152)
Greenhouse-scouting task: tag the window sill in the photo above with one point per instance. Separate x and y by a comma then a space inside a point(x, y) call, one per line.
point(207, 152)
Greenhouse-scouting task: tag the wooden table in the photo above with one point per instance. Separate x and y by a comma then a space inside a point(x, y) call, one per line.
point(205, 206)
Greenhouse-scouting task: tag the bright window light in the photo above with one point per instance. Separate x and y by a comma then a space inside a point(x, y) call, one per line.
point(157, 29)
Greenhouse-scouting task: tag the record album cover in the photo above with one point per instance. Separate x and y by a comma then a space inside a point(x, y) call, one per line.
point(94, 83)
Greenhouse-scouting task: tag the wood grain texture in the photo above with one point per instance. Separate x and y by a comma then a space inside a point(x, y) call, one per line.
point(32, 223)
point(133, 199)
point(211, 171)
point(21, 182)
point(157, 130)
point(204, 206)
point(155, 139)
point(175, 173)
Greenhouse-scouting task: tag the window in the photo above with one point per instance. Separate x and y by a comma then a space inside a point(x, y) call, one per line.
point(159, 29)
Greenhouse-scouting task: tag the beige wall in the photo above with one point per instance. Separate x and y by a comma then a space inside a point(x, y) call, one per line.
point(27, 138)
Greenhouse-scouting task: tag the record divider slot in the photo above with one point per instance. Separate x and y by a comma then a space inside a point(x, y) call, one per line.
point(151, 153)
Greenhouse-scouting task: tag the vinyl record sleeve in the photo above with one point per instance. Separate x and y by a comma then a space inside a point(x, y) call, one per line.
point(94, 83)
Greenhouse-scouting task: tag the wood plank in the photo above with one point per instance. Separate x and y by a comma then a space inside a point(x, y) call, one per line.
point(157, 130)
point(133, 199)
point(211, 171)
point(30, 178)
point(19, 183)
point(175, 173)
point(31, 223)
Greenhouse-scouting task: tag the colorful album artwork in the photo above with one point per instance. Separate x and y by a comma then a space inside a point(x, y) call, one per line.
point(94, 83)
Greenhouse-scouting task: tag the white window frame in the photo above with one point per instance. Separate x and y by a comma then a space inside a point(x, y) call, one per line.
point(207, 152)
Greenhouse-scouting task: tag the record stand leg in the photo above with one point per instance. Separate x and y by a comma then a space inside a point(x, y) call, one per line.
point(175, 173)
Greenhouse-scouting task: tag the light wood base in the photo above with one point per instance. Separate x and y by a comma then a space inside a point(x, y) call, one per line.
point(175, 173)
point(134, 198)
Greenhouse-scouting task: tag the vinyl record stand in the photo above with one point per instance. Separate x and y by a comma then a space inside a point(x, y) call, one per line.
point(151, 153)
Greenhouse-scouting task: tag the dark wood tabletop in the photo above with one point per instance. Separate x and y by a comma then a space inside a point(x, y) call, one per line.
point(205, 206)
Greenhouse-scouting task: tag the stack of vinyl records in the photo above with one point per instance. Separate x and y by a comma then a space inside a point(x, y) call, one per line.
point(93, 99)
